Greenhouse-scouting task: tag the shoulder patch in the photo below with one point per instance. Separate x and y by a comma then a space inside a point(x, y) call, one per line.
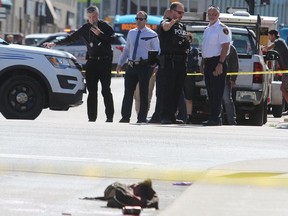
point(226, 31)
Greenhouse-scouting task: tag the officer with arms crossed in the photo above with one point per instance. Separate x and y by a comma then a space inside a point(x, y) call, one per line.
point(97, 36)
point(174, 46)
point(215, 48)
point(140, 40)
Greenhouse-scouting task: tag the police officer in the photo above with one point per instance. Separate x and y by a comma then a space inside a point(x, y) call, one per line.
point(174, 45)
point(215, 48)
point(228, 103)
point(97, 36)
point(140, 40)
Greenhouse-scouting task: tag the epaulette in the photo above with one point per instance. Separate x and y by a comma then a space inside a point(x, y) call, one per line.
point(222, 25)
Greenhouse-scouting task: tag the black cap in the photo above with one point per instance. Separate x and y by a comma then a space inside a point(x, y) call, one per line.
point(274, 32)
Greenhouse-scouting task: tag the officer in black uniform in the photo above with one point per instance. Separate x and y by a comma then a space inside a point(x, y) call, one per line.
point(97, 36)
point(174, 45)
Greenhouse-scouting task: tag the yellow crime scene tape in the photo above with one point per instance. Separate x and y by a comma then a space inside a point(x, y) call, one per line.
point(210, 176)
point(229, 73)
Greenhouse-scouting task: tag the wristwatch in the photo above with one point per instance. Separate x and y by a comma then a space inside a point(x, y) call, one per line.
point(219, 62)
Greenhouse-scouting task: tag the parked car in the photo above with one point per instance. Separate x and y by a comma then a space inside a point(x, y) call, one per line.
point(33, 39)
point(78, 48)
point(33, 78)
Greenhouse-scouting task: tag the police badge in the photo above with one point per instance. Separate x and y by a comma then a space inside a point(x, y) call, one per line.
point(226, 31)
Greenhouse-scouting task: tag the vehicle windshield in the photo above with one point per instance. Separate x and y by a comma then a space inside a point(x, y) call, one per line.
point(3, 41)
point(242, 42)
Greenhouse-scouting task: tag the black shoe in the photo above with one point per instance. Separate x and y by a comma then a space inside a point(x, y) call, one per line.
point(141, 121)
point(154, 121)
point(109, 120)
point(166, 121)
point(123, 120)
point(91, 120)
point(211, 123)
point(232, 123)
point(178, 121)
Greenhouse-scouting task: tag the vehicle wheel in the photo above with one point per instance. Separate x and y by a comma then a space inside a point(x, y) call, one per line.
point(21, 97)
point(277, 110)
point(256, 117)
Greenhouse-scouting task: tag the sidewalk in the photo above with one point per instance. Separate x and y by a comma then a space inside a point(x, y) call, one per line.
point(249, 188)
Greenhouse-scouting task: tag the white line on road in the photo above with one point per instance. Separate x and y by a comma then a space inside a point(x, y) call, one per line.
point(71, 159)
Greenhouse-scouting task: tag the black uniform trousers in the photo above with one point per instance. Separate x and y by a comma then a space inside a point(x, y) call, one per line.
point(215, 87)
point(99, 70)
point(172, 76)
point(136, 73)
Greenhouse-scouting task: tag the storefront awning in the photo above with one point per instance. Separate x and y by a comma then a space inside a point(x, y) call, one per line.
point(6, 4)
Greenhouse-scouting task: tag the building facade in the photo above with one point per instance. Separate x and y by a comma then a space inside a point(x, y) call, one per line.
point(38, 16)
point(47, 16)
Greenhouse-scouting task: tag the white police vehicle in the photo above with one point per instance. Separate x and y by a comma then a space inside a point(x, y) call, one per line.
point(33, 78)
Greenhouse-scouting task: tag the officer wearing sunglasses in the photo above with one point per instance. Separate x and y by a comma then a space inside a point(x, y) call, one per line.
point(174, 47)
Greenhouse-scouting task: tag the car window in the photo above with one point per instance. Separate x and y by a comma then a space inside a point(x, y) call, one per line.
point(118, 40)
point(244, 43)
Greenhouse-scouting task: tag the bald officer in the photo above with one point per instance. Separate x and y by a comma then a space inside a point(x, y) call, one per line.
point(215, 48)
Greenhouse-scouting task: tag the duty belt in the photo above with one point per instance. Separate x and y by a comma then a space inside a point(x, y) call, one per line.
point(100, 57)
point(136, 63)
point(211, 58)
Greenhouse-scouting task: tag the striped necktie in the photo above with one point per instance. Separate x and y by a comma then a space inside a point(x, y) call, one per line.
point(136, 45)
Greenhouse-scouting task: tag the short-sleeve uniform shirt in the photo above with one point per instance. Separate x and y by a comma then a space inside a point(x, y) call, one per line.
point(213, 38)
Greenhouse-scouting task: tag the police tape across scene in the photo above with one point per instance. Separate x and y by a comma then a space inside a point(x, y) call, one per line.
point(229, 73)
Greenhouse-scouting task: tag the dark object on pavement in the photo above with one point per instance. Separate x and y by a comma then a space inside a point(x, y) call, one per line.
point(119, 195)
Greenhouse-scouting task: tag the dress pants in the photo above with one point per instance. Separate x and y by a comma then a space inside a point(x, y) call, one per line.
point(172, 77)
point(99, 70)
point(215, 87)
point(138, 73)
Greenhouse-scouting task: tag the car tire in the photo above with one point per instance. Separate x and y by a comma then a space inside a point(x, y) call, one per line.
point(21, 97)
point(257, 117)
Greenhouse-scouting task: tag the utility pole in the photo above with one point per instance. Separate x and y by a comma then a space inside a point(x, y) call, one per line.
point(251, 4)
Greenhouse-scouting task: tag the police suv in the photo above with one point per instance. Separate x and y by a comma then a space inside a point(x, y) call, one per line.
point(252, 91)
point(33, 78)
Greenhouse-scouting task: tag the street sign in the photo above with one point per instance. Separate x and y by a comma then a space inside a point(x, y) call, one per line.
point(231, 10)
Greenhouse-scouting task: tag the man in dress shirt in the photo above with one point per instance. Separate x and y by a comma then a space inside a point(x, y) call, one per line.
point(215, 48)
point(138, 70)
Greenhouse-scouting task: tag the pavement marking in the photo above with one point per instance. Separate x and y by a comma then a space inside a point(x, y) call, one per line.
point(72, 159)
point(138, 170)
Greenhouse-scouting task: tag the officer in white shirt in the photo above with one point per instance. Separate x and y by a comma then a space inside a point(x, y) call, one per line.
point(140, 40)
point(215, 48)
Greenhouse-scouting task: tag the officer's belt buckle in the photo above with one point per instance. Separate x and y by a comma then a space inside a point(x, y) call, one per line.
point(133, 63)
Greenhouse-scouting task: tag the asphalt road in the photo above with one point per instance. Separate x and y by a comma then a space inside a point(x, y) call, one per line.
point(47, 164)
